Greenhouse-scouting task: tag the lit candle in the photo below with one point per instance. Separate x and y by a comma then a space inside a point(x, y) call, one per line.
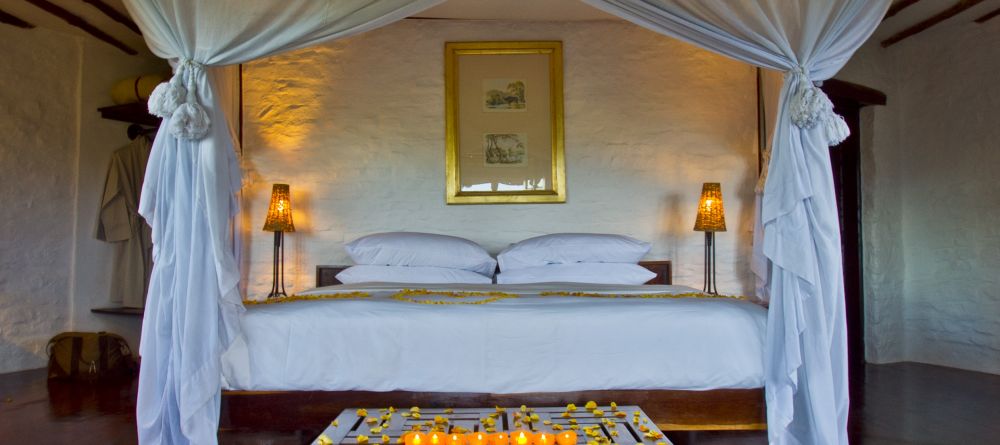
point(499, 439)
point(477, 438)
point(436, 438)
point(566, 438)
point(455, 439)
point(544, 438)
point(415, 438)
point(520, 437)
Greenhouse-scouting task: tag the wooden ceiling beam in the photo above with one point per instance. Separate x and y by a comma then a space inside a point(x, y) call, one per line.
point(898, 6)
point(13, 20)
point(954, 10)
point(988, 16)
point(79, 22)
point(114, 14)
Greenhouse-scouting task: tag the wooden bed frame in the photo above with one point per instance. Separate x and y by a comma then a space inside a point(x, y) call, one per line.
point(672, 410)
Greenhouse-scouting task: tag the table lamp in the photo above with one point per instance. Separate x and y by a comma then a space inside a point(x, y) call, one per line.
point(711, 219)
point(279, 221)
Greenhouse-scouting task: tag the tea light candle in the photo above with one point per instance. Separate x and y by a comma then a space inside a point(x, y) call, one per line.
point(415, 438)
point(455, 439)
point(477, 438)
point(499, 439)
point(566, 438)
point(520, 437)
point(544, 438)
point(436, 438)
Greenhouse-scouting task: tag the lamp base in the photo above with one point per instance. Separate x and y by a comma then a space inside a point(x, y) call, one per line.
point(278, 271)
point(709, 286)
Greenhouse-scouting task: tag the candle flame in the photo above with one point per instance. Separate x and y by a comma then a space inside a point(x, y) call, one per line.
point(521, 440)
point(416, 439)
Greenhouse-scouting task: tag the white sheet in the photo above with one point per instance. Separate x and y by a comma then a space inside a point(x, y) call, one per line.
point(524, 344)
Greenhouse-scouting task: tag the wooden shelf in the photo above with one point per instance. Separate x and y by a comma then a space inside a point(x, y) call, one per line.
point(130, 311)
point(135, 113)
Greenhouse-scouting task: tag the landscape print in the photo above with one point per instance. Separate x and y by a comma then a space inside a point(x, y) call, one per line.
point(504, 95)
point(505, 149)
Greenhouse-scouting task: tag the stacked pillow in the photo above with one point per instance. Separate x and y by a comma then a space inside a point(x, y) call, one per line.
point(575, 257)
point(413, 257)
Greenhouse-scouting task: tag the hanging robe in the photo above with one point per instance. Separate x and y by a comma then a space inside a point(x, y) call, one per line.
point(119, 223)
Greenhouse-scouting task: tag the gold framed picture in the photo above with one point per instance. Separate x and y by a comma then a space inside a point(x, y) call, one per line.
point(504, 123)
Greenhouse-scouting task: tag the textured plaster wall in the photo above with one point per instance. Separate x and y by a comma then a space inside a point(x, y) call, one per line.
point(38, 120)
point(357, 128)
point(53, 159)
point(939, 164)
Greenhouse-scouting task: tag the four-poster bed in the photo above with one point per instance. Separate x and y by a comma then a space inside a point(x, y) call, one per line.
point(193, 178)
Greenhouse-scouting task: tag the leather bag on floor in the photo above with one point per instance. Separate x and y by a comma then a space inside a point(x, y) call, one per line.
point(89, 356)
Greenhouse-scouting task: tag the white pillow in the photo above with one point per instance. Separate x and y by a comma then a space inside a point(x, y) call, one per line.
point(421, 249)
point(409, 274)
point(591, 273)
point(564, 248)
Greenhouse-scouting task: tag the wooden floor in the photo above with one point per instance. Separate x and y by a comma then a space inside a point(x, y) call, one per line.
point(904, 403)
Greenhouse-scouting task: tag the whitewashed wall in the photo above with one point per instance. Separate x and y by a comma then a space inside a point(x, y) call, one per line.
point(935, 204)
point(38, 119)
point(53, 158)
point(357, 128)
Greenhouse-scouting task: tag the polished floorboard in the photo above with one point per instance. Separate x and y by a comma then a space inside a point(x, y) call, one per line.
point(901, 403)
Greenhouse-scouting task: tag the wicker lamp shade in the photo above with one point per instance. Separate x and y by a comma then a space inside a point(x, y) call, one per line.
point(279, 213)
point(711, 215)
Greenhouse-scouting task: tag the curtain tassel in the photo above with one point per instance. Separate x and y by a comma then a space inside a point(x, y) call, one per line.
point(812, 107)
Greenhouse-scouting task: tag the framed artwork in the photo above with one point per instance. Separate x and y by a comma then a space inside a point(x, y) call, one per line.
point(504, 123)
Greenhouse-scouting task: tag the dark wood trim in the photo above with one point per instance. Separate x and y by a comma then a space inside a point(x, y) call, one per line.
point(761, 122)
point(671, 410)
point(663, 270)
point(130, 311)
point(898, 6)
point(135, 113)
point(327, 275)
point(954, 10)
point(114, 14)
point(10, 19)
point(988, 16)
point(79, 22)
point(858, 93)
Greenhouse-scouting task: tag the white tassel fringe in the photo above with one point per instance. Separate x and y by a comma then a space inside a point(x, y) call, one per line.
point(811, 107)
point(189, 121)
point(165, 98)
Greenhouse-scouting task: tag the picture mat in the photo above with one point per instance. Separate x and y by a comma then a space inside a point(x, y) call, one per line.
point(536, 122)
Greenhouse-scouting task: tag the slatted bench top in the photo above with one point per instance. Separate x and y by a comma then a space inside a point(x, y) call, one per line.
point(619, 426)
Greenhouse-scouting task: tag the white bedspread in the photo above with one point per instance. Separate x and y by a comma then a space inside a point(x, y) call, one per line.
point(526, 344)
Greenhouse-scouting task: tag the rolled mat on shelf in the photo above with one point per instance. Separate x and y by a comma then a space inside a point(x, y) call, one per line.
point(136, 88)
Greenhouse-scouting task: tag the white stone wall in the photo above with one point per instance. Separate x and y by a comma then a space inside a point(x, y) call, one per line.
point(38, 121)
point(357, 128)
point(53, 159)
point(934, 175)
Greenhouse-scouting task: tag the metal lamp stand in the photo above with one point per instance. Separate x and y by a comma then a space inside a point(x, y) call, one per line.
point(279, 267)
point(709, 283)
